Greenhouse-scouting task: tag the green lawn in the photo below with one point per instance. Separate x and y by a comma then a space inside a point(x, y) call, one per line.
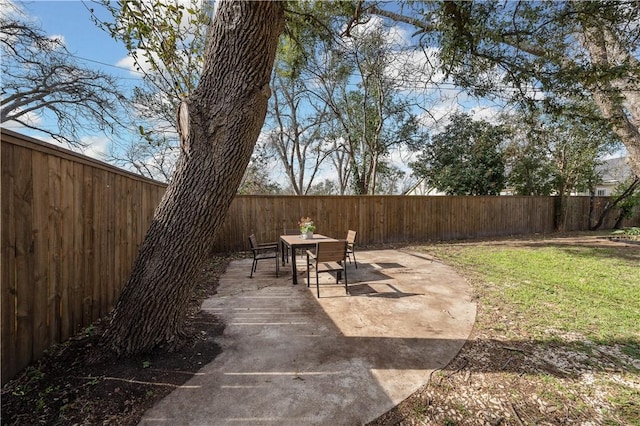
point(580, 300)
point(593, 291)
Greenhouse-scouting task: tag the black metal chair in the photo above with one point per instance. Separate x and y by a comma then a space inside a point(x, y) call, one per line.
point(351, 240)
point(263, 251)
point(329, 256)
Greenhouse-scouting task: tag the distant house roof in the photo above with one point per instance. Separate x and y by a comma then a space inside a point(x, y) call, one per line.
point(614, 170)
point(421, 188)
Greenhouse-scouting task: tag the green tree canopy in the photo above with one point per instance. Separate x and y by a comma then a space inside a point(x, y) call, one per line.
point(557, 153)
point(466, 158)
point(539, 52)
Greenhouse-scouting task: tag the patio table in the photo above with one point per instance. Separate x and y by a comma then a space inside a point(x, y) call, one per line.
point(294, 242)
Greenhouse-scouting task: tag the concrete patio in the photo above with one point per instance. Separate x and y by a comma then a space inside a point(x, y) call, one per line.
point(290, 358)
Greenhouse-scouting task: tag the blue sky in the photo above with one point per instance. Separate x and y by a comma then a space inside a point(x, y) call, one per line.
point(91, 46)
point(72, 20)
point(94, 48)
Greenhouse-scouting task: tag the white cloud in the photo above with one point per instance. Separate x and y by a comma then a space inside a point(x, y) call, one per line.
point(10, 9)
point(437, 117)
point(129, 63)
point(95, 147)
point(31, 118)
point(395, 35)
point(58, 38)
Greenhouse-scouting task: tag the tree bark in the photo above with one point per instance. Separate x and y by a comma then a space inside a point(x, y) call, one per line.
point(611, 205)
point(225, 115)
point(618, 98)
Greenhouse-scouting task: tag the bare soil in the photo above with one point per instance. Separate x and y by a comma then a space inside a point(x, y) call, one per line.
point(67, 386)
point(494, 380)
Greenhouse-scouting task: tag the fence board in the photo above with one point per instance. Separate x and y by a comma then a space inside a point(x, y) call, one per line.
point(67, 250)
point(76, 275)
point(24, 259)
point(89, 244)
point(9, 254)
point(119, 236)
point(41, 265)
point(54, 249)
point(98, 270)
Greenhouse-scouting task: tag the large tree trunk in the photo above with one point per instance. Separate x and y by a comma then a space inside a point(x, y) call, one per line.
point(629, 191)
point(219, 126)
point(618, 98)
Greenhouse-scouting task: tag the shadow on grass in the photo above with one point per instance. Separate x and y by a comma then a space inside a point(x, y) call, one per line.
point(589, 246)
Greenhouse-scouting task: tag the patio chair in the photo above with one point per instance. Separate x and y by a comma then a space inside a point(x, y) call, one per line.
point(351, 240)
point(329, 256)
point(263, 251)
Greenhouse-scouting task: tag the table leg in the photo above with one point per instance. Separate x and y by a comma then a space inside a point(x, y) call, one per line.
point(282, 246)
point(293, 266)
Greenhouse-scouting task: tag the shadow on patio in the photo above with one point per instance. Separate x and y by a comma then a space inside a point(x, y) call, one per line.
point(291, 358)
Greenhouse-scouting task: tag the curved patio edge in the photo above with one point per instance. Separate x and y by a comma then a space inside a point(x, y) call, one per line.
point(292, 358)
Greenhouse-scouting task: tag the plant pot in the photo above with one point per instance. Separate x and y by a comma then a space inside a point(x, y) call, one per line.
point(306, 235)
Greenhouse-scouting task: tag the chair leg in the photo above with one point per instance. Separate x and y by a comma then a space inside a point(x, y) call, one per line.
point(317, 283)
point(346, 288)
point(253, 267)
point(355, 262)
point(277, 264)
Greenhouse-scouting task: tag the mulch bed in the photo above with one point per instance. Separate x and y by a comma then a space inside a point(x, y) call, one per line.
point(66, 386)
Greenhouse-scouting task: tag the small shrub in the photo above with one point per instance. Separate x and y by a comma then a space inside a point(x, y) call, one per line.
point(630, 231)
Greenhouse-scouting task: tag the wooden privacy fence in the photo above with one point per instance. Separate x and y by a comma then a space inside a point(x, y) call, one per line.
point(389, 218)
point(71, 227)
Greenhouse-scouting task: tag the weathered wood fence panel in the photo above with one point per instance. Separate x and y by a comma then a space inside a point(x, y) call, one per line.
point(70, 231)
point(71, 227)
point(389, 218)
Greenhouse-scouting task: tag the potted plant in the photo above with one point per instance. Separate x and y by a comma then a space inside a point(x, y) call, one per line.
point(306, 227)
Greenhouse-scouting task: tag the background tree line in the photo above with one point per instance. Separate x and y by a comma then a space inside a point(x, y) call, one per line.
point(346, 96)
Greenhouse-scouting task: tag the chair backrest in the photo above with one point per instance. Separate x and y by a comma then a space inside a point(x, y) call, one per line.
point(331, 251)
point(253, 241)
point(351, 236)
point(291, 231)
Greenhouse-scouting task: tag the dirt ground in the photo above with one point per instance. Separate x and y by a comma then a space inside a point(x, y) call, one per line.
point(492, 381)
point(65, 388)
